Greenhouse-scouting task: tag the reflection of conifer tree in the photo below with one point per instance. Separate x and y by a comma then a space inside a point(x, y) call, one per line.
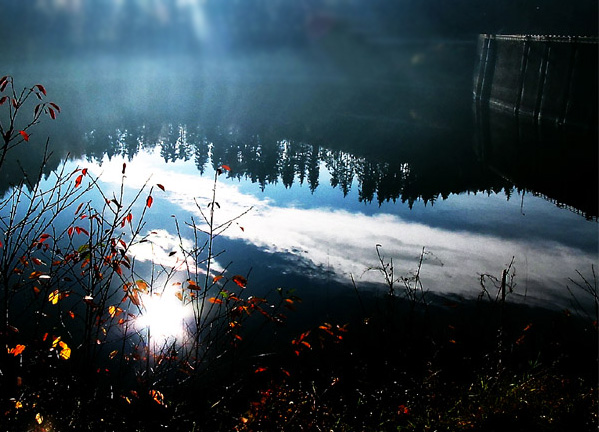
point(301, 154)
point(201, 148)
point(287, 163)
point(391, 182)
point(168, 144)
point(270, 163)
point(130, 143)
point(313, 167)
point(409, 192)
point(340, 165)
point(368, 176)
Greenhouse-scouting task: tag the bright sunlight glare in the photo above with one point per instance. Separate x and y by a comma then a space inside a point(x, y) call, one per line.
point(165, 316)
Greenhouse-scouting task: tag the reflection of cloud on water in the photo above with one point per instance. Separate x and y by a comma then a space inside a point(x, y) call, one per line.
point(164, 249)
point(344, 242)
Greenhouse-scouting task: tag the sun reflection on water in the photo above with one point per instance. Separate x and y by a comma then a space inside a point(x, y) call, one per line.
point(165, 316)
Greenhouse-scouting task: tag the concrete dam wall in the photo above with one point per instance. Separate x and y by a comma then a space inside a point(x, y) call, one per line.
point(547, 79)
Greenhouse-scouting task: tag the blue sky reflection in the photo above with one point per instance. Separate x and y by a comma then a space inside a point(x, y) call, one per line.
point(341, 235)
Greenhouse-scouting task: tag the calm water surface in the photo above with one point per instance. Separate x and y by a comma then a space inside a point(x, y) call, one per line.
point(333, 156)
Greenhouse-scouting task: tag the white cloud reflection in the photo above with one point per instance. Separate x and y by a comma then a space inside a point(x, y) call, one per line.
point(343, 242)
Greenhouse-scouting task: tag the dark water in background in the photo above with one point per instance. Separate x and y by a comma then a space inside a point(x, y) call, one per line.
point(335, 152)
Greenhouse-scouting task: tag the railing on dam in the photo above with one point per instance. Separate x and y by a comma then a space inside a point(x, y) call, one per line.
point(543, 78)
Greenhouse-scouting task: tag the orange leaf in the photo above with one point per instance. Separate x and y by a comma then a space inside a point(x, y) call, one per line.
point(65, 352)
point(215, 300)
point(192, 285)
point(260, 369)
point(141, 285)
point(17, 350)
point(149, 201)
point(157, 396)
point(217, 278)
point(226, 167)
point(78, 180)
point(240, 280)
point(24, 135)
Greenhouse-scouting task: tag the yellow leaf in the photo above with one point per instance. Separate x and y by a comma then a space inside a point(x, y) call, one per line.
point(39, 418)
point(179, 295)
point(54, 297)
point(55, 342)
point(18, 404)
point(113, 354)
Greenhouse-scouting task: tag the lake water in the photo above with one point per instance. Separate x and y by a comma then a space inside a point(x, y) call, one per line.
point(334, 155)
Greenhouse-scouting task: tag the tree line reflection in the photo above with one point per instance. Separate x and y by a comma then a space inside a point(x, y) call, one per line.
point(269, 160)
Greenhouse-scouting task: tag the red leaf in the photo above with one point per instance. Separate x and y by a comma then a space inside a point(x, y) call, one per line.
point(3, 83)
point(3, 99)
point(149, 201)
point(52, 113)
point(78, 180)
point(84, 171)
point(160, 186)
point(81, 230)
point(24, 135)
point(15, 103)
point(240, 280)
point(226, 167)
point(70, 231)
point(41, 88)
point(56, 107)
point(260, 369)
